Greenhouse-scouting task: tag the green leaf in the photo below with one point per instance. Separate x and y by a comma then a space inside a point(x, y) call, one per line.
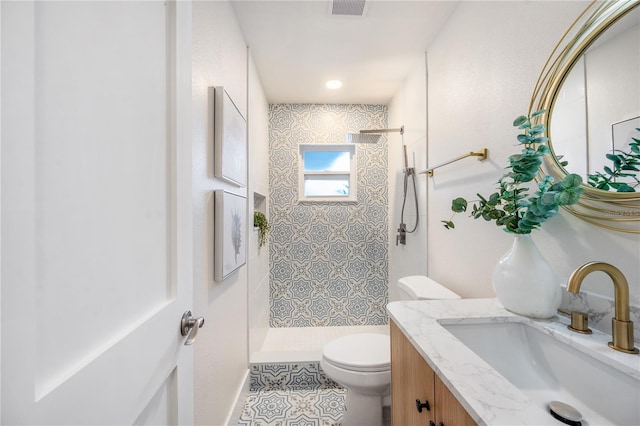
point(567, 198)
point(625, 188)
point(548, 198)
point(537, 113)
point(520, 121)
point(572, 181)
point(494, 199)
point(459, 205)
point(448, 224)
point(536, 209)
point(611, 156)
point(538, 128)
point(541, 140)
point(495, 214)
point(543, 150)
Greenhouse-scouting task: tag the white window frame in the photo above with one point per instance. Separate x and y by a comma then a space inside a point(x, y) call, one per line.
point(351, 175)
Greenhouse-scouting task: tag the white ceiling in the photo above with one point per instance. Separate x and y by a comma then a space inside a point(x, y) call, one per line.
point(298, 46)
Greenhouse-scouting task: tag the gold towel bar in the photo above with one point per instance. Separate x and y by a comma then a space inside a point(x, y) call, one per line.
point(482, 155)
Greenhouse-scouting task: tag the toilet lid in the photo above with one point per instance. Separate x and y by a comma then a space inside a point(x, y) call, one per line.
point(420, 287)
point(366, 352)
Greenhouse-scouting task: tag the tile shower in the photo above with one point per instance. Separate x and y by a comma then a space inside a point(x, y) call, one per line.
point(328, 261)
point(328, 265)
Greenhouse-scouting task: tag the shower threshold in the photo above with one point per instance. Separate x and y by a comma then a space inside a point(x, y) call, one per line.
point(304, 344)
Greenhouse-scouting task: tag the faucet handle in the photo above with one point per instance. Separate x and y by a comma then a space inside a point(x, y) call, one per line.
point(579, 321)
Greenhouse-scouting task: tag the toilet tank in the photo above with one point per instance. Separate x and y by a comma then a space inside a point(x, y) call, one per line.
point(419, 287)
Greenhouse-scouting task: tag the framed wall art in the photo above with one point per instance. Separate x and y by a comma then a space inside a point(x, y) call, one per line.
point(624, 131)
point(230, 139)
point(230, 229)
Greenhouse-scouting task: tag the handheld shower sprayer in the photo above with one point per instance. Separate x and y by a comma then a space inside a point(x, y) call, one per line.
point(401, 238)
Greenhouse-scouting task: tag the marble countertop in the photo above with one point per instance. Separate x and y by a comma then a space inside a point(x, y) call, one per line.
point(486, 395)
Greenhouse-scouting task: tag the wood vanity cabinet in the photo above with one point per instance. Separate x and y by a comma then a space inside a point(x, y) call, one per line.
point(415, 386)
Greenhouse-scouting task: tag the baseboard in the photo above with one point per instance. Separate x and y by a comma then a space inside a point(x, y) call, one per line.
point(243, 392)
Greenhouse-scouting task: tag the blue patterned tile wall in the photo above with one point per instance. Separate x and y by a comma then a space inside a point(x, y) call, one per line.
point(329, 261)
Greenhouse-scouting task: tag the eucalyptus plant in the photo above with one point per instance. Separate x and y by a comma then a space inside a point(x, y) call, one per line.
point(625, 164)
point(514, 206)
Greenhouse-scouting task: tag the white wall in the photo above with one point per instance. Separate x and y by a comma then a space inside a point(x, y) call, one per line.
point(593, 97)
point(408, 108)
point(258, 259)
point(482, 69)
point(221, 360)
point(569, 121)
point(615, 101)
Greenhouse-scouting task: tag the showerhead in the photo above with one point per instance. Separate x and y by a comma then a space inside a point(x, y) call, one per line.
point(370, 136)
point(363, 137)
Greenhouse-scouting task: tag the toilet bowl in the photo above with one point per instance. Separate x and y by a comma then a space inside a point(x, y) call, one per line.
point(362, 362)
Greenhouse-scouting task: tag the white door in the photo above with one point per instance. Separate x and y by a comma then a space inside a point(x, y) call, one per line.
point(96, 212)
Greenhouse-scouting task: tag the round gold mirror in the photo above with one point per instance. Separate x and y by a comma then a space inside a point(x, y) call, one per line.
point(590, 88)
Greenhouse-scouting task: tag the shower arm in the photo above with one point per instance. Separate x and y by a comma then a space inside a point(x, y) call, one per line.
point(398, 130)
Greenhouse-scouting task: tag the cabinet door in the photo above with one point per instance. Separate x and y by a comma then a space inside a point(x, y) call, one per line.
point(411, 380)
point(448, 410)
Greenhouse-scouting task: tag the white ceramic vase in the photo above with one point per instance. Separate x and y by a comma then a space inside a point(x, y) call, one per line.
point(524, 281)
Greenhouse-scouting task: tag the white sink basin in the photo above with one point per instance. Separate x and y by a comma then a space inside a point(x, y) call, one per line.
point(546, 369)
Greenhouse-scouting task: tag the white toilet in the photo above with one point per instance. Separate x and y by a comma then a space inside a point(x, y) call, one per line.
point(362, 362)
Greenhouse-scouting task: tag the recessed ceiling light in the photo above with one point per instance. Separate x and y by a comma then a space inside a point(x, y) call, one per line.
point(334, 84)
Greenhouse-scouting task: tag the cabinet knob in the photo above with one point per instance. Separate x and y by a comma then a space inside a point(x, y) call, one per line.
point(421, 405)
point(432, 423)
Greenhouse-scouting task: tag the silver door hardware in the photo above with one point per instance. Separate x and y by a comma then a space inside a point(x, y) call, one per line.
point(190, 325)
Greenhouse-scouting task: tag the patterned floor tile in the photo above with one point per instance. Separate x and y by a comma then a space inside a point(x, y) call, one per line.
point(293, 407)
point(298, 376)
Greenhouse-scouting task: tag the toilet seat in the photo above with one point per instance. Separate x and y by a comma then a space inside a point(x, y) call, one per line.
point(366, 352)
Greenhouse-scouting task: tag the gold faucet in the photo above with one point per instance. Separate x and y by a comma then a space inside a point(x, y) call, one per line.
point(621, 326)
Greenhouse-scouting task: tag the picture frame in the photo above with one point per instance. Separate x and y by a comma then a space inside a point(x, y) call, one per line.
point(230, 233)
point(623, 131)
point(230, 139)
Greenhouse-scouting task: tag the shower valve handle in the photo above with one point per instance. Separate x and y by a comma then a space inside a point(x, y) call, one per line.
point(402, 234)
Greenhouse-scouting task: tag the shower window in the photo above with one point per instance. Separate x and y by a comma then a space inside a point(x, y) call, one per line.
point(327, 173)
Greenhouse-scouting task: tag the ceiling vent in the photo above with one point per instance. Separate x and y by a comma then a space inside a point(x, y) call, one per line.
point(348, 7)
